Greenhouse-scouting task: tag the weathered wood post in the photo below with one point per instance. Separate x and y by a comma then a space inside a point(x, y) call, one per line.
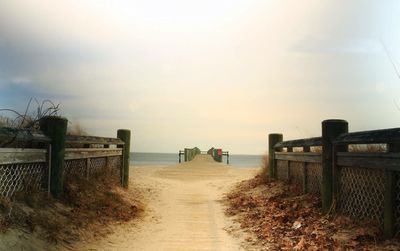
point(56, 129)
point(186, 156)
point(389, 215)
point(273, 139)
point(331, 129)
point(289, 150)
point(306, 149)
point(125, 136)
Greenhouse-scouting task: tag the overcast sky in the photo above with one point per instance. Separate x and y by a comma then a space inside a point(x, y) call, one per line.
point(184, 73)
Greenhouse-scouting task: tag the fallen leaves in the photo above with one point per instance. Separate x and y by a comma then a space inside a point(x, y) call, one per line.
point(289, 220)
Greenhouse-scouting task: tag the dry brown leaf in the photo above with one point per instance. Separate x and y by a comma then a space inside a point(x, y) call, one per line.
point(301, 244)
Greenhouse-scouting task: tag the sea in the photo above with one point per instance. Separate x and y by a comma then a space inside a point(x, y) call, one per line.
point(166, 159)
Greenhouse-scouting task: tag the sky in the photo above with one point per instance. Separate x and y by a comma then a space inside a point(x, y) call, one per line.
point(185, 73)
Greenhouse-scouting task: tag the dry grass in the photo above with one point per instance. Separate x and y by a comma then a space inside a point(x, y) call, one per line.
point(367, 148)
point(76, 129)
point(264, 172)
point(6, 122)
point(316, 149)
point(86, 211)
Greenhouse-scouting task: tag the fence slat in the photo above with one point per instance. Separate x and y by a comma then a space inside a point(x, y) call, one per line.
point(370, 137)
point(82, 153)
point(22, 135)
point(19, 155)
point(316, 141)
point(299, 156)
point(73, 139)
point(389, 161)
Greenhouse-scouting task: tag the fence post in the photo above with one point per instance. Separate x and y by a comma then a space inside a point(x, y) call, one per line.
point(125, 136)
point(331, 129)
point(56, 129)
point(306, 149)
point(389, 217)
point(273, 139)
point(186, 152)
point(289, 150)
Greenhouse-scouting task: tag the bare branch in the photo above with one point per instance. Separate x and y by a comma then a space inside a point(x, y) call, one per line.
point(31, 122)
point(26, 112)
point(392, 60)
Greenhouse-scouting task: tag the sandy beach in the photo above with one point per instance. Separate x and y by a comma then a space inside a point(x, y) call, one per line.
point(183, 209)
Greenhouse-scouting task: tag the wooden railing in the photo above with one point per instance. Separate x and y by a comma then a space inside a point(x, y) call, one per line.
point(44, 159)
point(364, 185)
point(301, 167)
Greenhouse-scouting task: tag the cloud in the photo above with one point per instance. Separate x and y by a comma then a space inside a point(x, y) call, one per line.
point(21, 80)
point(179, 73)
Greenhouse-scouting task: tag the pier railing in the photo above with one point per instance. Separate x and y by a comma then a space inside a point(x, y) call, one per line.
point(190, 153)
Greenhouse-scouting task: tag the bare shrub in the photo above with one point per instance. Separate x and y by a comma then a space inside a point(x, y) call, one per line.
point(30, 118)
point(5, 122)
point(76, 129)
point(264, 172)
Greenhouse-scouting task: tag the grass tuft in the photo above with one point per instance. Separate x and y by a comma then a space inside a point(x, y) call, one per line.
point(87, 208)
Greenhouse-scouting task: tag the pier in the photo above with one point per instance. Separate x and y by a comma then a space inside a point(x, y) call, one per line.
point(189, 154)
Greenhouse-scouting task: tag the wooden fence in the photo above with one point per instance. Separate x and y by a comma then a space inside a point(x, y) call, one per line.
point(42, 160)
point(364, 185)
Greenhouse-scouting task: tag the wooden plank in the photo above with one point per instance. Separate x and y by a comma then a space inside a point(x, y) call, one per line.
point(72, 139)
point(370, 137)
point(19, 155)
point(22, 135)
point(317, 141)
point(82, 153)
point(388, 161)
point(299, 157)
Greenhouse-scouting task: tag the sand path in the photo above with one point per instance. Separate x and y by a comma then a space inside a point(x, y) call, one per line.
point(184, 210)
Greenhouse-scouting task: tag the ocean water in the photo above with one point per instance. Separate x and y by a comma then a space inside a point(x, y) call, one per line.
point(147, 159)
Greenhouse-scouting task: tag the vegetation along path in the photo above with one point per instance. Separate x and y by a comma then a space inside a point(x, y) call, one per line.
point(184, 210)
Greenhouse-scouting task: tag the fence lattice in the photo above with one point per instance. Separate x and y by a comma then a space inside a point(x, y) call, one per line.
point(19, 177)
point(362, 193)
point(79, 167)
point(314, 178)
point(75, 167)
point(296, 173)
